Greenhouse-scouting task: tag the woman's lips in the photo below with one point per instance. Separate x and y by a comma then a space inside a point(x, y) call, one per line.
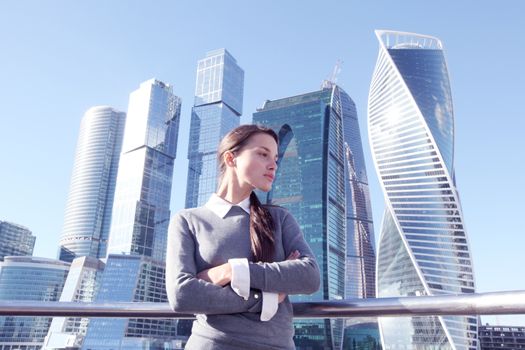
point(269, 177)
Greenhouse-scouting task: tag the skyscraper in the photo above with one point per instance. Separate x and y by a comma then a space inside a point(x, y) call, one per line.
point(15, 240)
point(90, 201)
point(28, 278)
point(135, 266)
point(423, 248)
point(321, 180)
point(142, 196)
point(217, 109)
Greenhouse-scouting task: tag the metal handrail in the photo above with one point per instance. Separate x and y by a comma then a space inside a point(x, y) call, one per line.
point(494, 303)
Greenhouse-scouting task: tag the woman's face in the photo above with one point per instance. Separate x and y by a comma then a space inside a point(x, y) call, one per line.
point(256, 162)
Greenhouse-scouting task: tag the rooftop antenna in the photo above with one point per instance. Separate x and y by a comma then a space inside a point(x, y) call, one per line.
point(332, 78)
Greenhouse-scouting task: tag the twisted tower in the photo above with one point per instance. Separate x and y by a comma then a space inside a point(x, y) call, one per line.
point(423, 248)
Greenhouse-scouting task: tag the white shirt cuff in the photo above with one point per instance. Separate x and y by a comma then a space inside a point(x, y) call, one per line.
point(240, 282)
point(270, 304)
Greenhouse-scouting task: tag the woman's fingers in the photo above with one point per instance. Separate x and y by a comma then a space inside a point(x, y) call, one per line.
point(282, 296)
point(293, 255)
point(203, 275)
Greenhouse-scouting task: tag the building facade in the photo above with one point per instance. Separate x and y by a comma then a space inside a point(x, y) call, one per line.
point(140, 220)
point(28, 278)
point(81, 286)
point(90, 201)
point(321, 180)
point(423, 247)
point(217, 110)
point(138, 279)
point(361, 334)
point(15, 240)
point(501, 337)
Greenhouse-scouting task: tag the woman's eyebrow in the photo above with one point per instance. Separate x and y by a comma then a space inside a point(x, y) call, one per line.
point(267, 150)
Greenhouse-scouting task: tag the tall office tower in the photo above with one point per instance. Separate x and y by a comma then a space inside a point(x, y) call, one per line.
point(90, 201)
point(321, 180)
point(15, 240)
point(141, 210)
point(29, 278)
point(81, 285)
point(140, 219)
point(217, 109)
point(423, 248)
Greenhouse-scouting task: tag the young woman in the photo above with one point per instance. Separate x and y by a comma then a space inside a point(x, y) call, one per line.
point(233, 261)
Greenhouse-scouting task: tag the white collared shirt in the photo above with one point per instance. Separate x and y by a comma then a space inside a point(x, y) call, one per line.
point(221, 206)
point(240, 282)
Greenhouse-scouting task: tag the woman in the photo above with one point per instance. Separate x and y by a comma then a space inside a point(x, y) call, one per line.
point(233, 261)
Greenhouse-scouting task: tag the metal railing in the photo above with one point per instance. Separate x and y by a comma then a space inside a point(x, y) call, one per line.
point(495, 303)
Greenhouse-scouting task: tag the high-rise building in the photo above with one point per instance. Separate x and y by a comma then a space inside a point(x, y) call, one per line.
point(90, 200)
point(142, 196)
point(423, 247)
point(140, 220)
point(29, 278)
point(15, 240)
point(321, 180)
point(217, 109)
point(81, 285)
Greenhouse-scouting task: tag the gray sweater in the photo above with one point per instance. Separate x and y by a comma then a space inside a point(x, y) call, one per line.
point(198, 239)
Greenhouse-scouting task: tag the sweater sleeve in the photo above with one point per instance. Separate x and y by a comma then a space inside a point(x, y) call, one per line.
point(187, 293)
point(299, 276)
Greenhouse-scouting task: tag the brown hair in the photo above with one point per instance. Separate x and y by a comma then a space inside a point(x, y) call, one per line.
point(261, 223)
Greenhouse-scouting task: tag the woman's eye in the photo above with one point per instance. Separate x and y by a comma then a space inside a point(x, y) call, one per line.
point(263, 154)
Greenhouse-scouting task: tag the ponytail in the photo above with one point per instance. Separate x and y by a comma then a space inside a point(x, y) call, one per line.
point(261, 231)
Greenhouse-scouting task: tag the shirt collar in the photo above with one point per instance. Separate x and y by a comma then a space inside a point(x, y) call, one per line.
point(221, 207)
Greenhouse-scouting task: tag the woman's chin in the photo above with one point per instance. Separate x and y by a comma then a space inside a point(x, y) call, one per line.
point(265, 188)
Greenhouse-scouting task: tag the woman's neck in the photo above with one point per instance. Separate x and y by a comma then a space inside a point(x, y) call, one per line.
point(232, 192)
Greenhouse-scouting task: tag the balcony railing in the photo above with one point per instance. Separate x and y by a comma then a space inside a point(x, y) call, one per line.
point(495, 303)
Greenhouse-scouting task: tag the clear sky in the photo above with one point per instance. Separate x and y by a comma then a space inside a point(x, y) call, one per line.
point(59, 58)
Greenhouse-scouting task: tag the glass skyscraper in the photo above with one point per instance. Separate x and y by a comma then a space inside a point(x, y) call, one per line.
point(28, 278)
point(423, 248)
point(90, 201)
point(321, 180)
point(137, 244)
point(15, 240)
point(142, 196)
point(217, 109)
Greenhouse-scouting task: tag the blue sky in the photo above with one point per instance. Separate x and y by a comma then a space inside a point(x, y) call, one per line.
point(58, 58)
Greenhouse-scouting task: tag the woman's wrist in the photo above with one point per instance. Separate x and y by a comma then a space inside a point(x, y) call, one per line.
point(220, 275)
point(226, 270)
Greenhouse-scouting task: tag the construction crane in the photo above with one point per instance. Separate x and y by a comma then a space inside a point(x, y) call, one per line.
point(332, 78)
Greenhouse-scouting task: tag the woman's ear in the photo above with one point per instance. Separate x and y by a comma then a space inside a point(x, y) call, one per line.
point(229, 159)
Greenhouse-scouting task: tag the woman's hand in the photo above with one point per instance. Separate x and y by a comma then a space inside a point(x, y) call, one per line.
point(293, 255)
point(220, 275)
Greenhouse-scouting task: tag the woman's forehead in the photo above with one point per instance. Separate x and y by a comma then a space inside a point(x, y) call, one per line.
point(262, 140)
